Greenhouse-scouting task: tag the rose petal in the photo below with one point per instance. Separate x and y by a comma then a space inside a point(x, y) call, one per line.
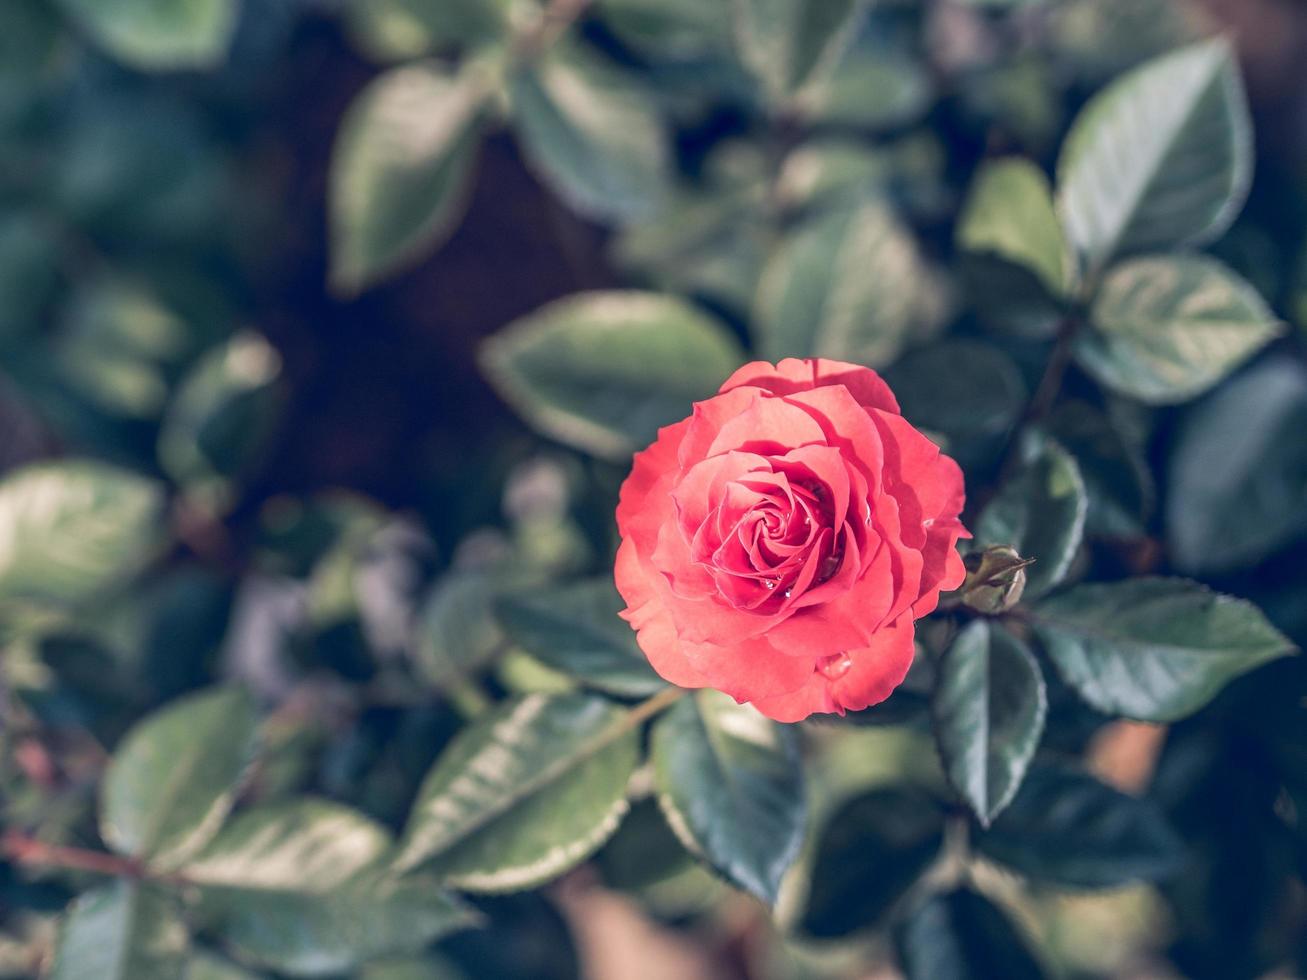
point(874, 671)
point(792, 375)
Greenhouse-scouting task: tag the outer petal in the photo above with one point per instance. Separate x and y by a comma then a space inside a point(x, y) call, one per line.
point(793, 375)
point(874, 672)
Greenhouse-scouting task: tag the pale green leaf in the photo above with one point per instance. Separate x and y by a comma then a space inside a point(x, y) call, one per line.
point(159, 34)
point(172, 780)
point(74, 528)
point(849, 284)
point(1009, 215)
point(594, 138)
point(126, 930)
point(299, 887)
point(524, 794)
point(1167, 328)
point(604, 371)
point(400, 170)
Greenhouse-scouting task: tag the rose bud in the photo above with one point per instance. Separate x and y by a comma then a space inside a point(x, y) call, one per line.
point(779, 543)
point(996, 578)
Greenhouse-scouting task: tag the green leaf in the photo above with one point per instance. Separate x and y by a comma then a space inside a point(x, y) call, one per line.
point(1067, 828)
point(1161, 158)
point(989, 707)
point(457, 633)
point(159, 35)
point(869, 87)
point(118, 346)
point(1009, 215)
point(1154, 649)
point(524, 794)
point(75, 528)
point(603, 371)
point(172, 780)
point(126, 930)
point(869, 852)
point(730, 782)
point(1167, 328)
point(1117, 478)
point(591, 136)
point(206, 966)
point(1040, 513)
point(963, 936)
point(968, 391)
point(1240, 462)
point(299, 887)
point(221, 418)
point(576, 629)
point(397, 30)
point(400, 170)
point(849, 284)
point(783, 42)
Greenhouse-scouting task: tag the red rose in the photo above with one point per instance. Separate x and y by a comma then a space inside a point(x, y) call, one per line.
point(778, 544)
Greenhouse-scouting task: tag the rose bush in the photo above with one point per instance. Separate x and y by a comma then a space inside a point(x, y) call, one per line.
point(778, 543)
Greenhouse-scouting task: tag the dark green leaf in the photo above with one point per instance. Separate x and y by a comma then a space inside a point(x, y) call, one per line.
point(1240, 462)
point(1167, 328)
point(849, 284)
point(592, 136)
point(74, 528)
point(1009, 216)
point(869, 852)
point(158, 34)
point(126, 930)
point(172, 780)
point(965, 390)
point(603, 371)
point(400, 170)
point(523, 795)
point(1117, 478)
point(1067, 828)
point(221, 418)
point(1154, 649)
point(963, 936)
point(989, 707)
point(1162, 158)
point(1040, 513)
point(298, 887)
point(457, 632)
point(731, 784)
point(576, 629)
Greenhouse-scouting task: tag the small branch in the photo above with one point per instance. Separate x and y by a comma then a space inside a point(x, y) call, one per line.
point(21, 849)
point(548, 30)
point(1041, 403)
point(652, 706)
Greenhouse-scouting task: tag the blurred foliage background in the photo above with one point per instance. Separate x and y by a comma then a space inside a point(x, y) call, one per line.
point(249, 432)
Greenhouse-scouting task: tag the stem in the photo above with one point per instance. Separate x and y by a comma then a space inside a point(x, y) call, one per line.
point(1045, 394)
point(546, 32)
point(21, 849)
point(652, 706)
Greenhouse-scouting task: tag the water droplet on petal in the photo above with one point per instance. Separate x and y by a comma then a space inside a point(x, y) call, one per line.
point(769, 583)
point(836, 667)
point(788, 592)
point(928, 522)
